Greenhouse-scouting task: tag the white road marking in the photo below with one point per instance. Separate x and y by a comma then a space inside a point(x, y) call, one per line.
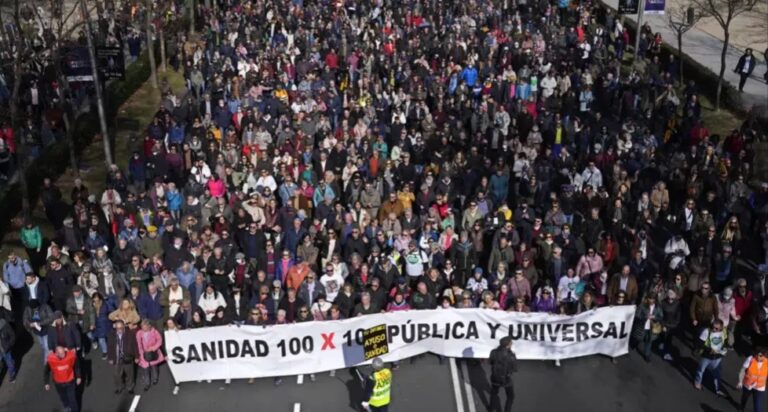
point(300, 379)
point(135, 403)
point(296, 407)
point(468, 388)
point(456, 386)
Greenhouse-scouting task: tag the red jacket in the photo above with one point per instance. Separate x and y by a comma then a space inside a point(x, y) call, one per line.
point(63, 370)
point(743, 303)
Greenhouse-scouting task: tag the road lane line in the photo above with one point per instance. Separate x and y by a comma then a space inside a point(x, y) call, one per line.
point(456, 386)
point(296, 407)
point(300, 379)
point(468, 388)
point(135, 403)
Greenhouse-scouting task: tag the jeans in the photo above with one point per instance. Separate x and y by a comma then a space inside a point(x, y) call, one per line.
point(103, 345)
point(757, 399)
point(711, 364)
point(496, 401)
point(149, 375)
point(43, 341)
point(646, 343)
point(68, 396)
point(10, 364)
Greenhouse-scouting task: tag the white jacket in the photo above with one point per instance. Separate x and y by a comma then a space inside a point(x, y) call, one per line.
point(211, 303)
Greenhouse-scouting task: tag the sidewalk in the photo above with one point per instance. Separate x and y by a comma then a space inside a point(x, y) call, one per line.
point(705, 49)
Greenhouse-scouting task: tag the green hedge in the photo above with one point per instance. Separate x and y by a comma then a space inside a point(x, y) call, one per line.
point(55, 158)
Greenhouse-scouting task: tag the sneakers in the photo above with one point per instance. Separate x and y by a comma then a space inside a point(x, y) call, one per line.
point(668, 357)
point(661, 346)
point(557, 362)
point(12, 378)
point(278, 381)
point(252, 380)
point(176, 390)
point(720, 393)
point(312, 377)
point(95, 345)
point(697, 386)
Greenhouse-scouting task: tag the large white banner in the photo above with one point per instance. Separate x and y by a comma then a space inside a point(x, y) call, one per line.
point(262, 351)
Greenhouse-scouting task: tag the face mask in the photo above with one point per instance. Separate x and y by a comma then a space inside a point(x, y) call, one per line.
point(177, 245)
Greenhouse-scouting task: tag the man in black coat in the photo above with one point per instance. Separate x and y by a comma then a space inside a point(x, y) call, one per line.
point(121, 353)
point(744, 67)
point(503, 365)
point(61, 333)
point(60, 281)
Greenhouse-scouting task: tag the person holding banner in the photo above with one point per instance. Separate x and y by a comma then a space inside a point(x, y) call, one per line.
point(378, 387)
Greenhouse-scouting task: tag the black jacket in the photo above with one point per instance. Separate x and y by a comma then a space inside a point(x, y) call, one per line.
point(71, 336)
point(130, 347)
point(7, 337)
point(503, 365)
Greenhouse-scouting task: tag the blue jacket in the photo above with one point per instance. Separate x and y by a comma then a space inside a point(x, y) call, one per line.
point(292, 239)
point(176, 135)
point(150, 308)
point(469, 75)
point(14, 274)
point(136, 169)
point(103, 324)
point(279, 274)
point(174, 200)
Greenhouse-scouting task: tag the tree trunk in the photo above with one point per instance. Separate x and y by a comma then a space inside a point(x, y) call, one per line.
point(151, 45)
point(101, 21)
point(191, 16)
point(163, 67)
point(66, 110)
point(14, 109)
point(680, 55)
point(726, 38)
point(97, 86)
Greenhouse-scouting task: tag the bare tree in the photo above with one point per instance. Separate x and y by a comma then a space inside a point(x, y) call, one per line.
point(680, 19)
point(151, 43)
point(723, 11)
point(60, 26)
point(23, 55)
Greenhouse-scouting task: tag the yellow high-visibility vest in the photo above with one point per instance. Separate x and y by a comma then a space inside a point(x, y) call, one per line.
point(383, 382)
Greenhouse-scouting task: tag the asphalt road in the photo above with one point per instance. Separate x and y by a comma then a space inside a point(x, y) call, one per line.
point(585, 384)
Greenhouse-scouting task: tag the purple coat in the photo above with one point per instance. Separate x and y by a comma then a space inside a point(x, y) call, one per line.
point(544, 305)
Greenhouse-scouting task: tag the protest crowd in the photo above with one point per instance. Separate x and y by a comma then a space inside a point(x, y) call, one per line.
point(338, 159)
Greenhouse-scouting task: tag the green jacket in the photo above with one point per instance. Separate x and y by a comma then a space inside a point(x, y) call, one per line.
point(32, 238)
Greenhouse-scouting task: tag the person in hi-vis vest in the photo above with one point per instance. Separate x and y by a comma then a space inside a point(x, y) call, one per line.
point(752, 379)
point(377, 387)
